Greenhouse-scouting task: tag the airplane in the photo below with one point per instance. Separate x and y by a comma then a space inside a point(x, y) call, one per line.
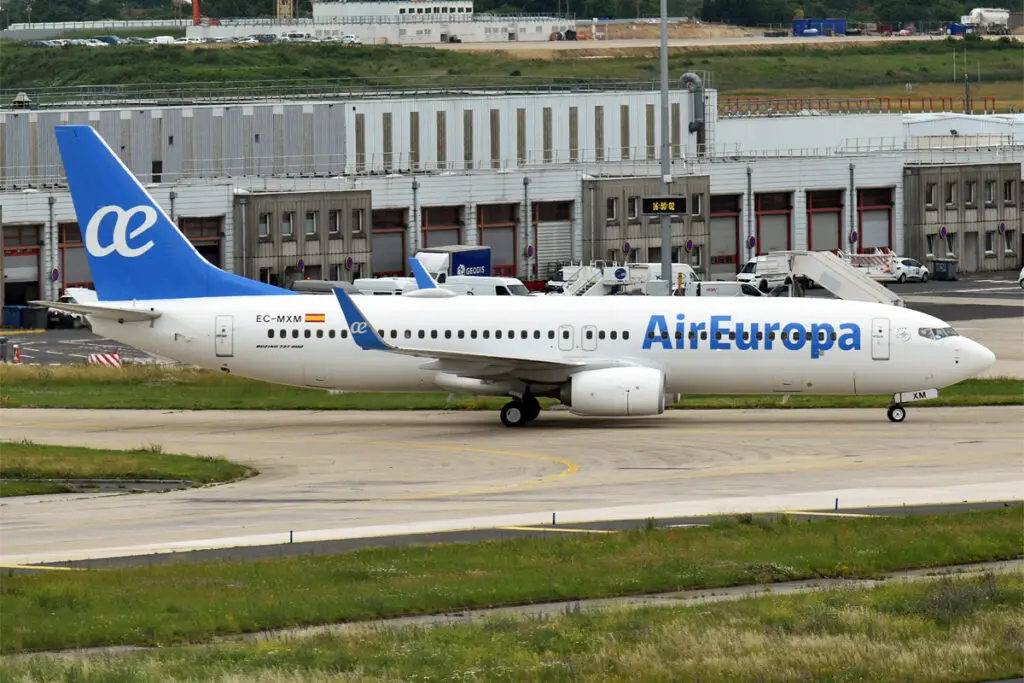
point(600, 356)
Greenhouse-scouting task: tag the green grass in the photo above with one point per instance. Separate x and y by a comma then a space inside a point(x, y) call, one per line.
point(166, 604)
point(952, 629)
point(26, 460)
point(9, 489)
point(735, 69)
point(165, 388)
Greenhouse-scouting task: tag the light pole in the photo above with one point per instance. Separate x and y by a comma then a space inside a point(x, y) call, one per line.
point(666, 163)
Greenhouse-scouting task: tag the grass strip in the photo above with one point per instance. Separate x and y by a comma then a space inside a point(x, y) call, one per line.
point(176, 603)
point(27, 460)
point(176, 388)
point(10, 489)
point(944, 630)
point(780, 67)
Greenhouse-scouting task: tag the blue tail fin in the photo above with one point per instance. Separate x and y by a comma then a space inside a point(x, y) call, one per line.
point(423, 279)
point(135, 251)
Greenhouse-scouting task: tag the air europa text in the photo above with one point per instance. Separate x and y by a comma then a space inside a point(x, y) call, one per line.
point(721, 334)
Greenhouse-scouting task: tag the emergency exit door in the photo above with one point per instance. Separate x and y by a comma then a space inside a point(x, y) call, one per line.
point(565, 338)
point(224, 336)
point(880, 339)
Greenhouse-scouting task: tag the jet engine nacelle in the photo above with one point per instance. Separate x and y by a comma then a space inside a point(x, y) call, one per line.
point(615, 392)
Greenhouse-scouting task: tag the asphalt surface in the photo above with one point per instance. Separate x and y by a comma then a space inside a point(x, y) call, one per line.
point(250, 553)
point(985, 296)
point(330, 475)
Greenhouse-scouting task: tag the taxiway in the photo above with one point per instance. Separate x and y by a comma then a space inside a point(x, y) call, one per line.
point(336, 475)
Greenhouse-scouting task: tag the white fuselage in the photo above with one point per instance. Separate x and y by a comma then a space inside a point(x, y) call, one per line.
point(268, 338)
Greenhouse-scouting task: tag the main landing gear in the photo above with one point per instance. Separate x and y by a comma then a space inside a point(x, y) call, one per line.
point(897, 413)
point(518, 412)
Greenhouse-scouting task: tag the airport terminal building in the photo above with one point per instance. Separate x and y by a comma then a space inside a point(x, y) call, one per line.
point(346, 186)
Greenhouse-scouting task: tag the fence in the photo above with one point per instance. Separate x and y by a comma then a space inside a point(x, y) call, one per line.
point(731, 107)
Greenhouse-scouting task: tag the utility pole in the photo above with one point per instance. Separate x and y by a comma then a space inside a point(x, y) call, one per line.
point(666, 162)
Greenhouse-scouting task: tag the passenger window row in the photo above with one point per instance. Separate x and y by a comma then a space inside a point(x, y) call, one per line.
point(447, 334)
point(746, 335)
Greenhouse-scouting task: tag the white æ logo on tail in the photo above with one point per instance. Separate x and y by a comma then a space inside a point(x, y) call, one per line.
point(119, 241)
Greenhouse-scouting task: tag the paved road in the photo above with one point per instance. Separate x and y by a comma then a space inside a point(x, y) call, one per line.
point(332, 475)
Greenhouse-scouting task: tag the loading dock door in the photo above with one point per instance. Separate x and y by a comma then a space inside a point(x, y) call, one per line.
point(880, 339)
point(223, 336)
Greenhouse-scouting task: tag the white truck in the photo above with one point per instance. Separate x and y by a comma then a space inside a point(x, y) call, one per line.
point(72, 295)
point(470, 285)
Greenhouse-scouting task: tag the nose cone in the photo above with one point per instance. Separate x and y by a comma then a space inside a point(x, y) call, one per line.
point(977, 358)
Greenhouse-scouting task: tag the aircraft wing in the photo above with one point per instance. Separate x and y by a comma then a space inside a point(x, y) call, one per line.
point(458, 362)
point(122, 313)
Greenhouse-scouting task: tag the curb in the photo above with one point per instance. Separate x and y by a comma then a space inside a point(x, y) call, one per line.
point(18, 330)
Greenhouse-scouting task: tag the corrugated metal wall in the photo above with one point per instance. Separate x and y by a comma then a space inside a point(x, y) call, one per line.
point(314, 138)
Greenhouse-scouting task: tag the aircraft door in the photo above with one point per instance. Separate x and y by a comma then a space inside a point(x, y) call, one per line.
point(880, 339)
point(589, 339)
point(224, 336)
point(565, 338)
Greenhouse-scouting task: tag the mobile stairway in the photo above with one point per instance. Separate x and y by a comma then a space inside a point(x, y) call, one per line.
point(830, 271)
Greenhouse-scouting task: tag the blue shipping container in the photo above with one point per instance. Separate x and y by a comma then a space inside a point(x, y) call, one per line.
point(821, 27)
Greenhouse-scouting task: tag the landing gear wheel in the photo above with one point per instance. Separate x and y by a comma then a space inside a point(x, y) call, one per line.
point(897, 413)
point(531, 407)
point(514, 414)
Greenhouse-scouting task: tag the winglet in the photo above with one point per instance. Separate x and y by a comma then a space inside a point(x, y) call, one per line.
point(423, 278)
point(362, 331)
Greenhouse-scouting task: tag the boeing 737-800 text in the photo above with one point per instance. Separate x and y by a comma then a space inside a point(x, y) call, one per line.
point(605, 356)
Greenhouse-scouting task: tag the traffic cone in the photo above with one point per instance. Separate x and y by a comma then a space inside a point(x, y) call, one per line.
point(17, 354)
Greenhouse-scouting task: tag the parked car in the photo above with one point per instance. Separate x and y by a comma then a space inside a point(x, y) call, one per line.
point(910, 269)
point(1020, 278)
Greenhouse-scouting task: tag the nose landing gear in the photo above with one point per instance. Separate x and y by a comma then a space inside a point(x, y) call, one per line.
point(896, 413)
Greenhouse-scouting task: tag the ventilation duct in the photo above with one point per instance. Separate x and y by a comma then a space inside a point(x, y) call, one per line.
point(695, 85)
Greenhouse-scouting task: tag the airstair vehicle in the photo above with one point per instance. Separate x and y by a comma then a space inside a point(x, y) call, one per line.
point(845, 276)
point(600, 278)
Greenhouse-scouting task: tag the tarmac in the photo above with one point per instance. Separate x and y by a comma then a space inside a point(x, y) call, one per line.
point(359, 475)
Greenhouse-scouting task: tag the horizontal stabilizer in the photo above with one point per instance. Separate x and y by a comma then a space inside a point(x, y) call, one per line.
point(121, 313)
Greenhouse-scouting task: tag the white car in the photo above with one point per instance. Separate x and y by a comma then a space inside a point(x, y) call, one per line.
point(910, 269)
point(1020, 278)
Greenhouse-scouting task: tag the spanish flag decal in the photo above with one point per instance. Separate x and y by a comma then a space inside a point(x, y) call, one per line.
point(316, 317)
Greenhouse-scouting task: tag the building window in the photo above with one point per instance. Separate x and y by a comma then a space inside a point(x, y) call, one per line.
point(695, 257)
point(990, 241)
point(697, 202)
point(931, 244)
point(990, 192)
point(633, 207)
point(334, 221)
point(950, 244)
point(264, 226)
point(1008, 239)
point(929, 194)
point(611, 208)
point(287, 223)
point(311, 222)
point(971, 193)
point(1008, 192)
point(950, 194)
point(358, 217)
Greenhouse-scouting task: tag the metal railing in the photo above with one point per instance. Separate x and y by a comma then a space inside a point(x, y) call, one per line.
point(337, 171)
point(126, 24)
point(368, 87)
point(741, 107)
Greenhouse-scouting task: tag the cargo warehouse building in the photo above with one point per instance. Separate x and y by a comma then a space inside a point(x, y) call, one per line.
point(345, 187)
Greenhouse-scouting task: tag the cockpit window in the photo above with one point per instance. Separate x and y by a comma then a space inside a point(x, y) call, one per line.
point(937, 332)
